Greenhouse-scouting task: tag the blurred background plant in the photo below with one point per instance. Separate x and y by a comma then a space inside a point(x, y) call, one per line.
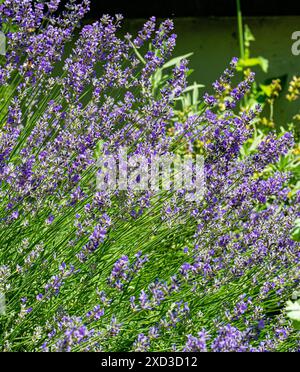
point(264, 94)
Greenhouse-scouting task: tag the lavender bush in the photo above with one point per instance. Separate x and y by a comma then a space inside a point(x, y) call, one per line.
point(110, 270)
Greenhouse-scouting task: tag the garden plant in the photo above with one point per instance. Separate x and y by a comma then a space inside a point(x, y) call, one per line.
point(89, 269)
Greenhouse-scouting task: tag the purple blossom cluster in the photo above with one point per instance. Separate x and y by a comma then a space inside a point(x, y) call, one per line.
point(74, 333)
point(123, 272)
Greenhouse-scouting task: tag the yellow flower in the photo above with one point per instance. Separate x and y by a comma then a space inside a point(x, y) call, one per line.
point(294, 89)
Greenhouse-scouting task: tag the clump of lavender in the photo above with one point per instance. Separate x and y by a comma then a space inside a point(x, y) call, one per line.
point(73, 333)
point(123, 272)
point(89, 270)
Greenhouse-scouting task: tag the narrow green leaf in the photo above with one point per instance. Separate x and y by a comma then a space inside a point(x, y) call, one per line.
point(176, 61)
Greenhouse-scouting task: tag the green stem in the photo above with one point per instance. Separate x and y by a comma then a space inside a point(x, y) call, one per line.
point(240, 28)
point(272, 111)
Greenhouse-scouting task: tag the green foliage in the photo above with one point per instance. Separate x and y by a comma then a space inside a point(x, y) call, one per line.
point(293, 313)
point(296, 231)
point(247, 61)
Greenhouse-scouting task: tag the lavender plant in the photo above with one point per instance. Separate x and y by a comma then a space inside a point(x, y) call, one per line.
point(111, 270)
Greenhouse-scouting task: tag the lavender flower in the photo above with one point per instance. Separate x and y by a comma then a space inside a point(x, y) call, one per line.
point(142, 343)
point(196, 344)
